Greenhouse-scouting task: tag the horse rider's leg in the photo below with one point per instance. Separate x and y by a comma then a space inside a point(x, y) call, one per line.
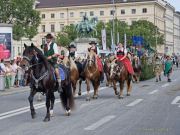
point(88, 89)
point(30, 98)
point(48, 97)
point(115, 87)
point(121, 89)
point(80, 82)
point(58, 79)
point(52, 104)
point(128, 87)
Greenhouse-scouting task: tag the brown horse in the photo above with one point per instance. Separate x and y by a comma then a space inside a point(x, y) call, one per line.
point(107, 65)
point(119, 73)
point(137, 69)
point(74, 74)
point(92, 74)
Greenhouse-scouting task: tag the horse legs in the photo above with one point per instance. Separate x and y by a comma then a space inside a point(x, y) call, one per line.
point(30, 98)
point(95, 86)
point(88, 89)
point(128, 87)
point(80, 82)
point(48, 97)
point(115, 88)
point(52, 104)
point(74, 82)
point(121, 89)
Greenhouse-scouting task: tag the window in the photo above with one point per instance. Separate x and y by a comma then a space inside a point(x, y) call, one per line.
point(71, 14)
point(52, 28)
point(81, 14)
point(101, 13)
point(144, 10)
point(61, 27)
point(43, 16)
point(91, 13)
point(52, 15)
point(122, 11)
point(61, 15)
point(43, 28)
point(112, 12)
point(133, 11)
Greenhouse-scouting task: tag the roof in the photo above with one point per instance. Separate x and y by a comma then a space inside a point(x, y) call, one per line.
point(67, 3)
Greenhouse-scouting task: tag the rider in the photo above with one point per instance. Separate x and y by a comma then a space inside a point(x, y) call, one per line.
point(51, 53)
point(99, 62)
point(72, 51)
point(121, 55)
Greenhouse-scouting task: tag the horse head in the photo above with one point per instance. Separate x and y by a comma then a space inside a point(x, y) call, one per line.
point(29, 53)
point(91, 59)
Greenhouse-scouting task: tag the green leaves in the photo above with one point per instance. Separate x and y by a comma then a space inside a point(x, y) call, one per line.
point(21, 14)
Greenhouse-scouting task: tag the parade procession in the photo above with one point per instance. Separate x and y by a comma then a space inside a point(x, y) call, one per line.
point(89, 67)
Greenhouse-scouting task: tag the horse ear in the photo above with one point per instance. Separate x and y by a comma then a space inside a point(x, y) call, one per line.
point(25, 46)
point(32, 45)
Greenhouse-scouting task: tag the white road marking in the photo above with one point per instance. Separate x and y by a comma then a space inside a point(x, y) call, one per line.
point(175, 101)
point(137, 101)
point(153, 92)
point(37, 106)
point(165, 85)
point(100, 122)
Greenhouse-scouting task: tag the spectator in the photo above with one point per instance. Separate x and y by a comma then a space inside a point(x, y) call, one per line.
point(8, 74)
point(2, 67)
point(20, 75)
point(14, 72)
point(168, 68)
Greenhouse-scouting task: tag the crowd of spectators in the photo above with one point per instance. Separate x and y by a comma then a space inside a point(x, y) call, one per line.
point(12, 73)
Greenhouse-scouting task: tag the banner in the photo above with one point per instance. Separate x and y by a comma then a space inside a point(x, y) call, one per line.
point(103, 33)
point(137, 40)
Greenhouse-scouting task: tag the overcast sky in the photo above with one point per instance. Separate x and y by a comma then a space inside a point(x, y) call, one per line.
point(175, 3)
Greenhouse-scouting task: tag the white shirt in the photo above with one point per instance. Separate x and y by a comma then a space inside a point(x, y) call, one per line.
point(3, 67)
point(55, 47)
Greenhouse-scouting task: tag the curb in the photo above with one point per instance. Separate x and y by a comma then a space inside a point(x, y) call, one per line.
point(12, 91)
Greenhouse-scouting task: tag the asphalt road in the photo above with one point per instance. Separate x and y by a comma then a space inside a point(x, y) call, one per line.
point(152, 109)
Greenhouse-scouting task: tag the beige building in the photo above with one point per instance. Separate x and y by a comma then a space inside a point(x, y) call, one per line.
point(177, 33)
point(55, 14)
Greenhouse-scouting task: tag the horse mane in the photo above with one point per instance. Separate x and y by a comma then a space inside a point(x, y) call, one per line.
point(72, 63)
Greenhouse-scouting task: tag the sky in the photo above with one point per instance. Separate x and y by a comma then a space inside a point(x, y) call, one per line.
point(175, 3)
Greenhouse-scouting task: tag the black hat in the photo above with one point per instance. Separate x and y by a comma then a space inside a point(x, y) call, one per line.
point(72, 46)
point(92, 42)
point(49, 36)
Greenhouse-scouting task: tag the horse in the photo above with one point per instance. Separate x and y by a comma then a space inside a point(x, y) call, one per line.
point(107, 65)
point(43, 80)
point(119, 73)
point(137, 69)
point(75, 73)
point(92, 74)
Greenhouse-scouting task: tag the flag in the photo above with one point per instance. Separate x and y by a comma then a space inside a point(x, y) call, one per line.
point(103, 33)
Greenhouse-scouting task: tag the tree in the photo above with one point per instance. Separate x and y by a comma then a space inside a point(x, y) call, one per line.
point(63, 39)
point(70, 31)
point(21, 14)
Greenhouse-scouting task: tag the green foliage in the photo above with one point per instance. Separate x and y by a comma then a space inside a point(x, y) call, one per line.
point(70, 31)
point(21, 14)
point(63, 39)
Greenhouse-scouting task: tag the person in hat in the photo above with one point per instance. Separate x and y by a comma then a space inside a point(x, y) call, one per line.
point(51, 53)
point(121, 55)
point(99, 62)
point(158, 67)
point(168, 67)
point(72, 51)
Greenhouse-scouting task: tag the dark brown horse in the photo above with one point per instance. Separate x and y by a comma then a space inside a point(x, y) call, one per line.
point(92, 74)
point(43, 80)
point(120, 74)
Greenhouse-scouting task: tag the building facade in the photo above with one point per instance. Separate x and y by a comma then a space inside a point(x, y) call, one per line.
point(56, 14)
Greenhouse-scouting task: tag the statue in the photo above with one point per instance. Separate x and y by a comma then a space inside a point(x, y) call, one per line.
point(86, 27)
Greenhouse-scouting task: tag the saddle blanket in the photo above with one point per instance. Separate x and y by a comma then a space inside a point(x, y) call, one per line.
point(62, 74)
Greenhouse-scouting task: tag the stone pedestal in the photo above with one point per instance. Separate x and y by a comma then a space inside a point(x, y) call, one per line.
point(82, 45)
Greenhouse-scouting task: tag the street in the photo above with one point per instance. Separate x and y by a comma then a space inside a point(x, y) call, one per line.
point(152, 109)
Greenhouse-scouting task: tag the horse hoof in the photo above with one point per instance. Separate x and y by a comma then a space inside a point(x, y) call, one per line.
point(116, 93)
point(95, 97)
point(79, 93)
point(121, 97)
point(128, 94)
point(46, 119)
point(88, 99)
point(68, 112)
